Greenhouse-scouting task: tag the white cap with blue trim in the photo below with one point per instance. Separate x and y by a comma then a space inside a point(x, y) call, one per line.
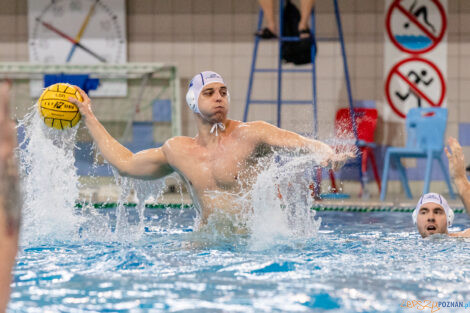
point(434, 198)
point(195, 86)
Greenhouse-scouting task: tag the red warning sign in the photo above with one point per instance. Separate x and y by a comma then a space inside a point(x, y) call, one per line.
point(415, 26)
point(414, 82)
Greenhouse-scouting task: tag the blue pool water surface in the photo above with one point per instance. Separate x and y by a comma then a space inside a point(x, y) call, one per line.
point(357, 262)
point(131, 260)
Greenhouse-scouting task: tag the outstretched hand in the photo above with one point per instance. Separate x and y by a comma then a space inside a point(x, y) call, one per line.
point(456, 158)
point(83, 106)
point(337, 160)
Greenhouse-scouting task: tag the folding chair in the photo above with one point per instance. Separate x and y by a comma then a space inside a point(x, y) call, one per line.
point(425, 129)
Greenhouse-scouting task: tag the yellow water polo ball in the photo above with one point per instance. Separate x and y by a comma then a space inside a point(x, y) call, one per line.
point(56, 109)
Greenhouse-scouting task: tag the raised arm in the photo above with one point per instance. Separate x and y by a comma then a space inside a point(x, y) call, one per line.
point(146, 164)
point(457, 171)
point(277, 137)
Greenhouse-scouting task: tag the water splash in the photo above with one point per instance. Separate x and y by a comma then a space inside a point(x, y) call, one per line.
point(276, 203)
point(51, 189)
point(144, 191)
point(273, 206)
point(125, 224)
point(282, 202)
point(49, 179)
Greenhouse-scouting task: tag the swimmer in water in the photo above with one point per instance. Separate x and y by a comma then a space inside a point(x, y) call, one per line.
point(10, 203)
point(221, 161)
point(433, 215)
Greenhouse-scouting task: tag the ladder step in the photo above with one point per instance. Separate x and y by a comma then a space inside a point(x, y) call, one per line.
point(290, 70)
point(328, 39)
point(318, 39)
point(289, 38)
point(282, 102)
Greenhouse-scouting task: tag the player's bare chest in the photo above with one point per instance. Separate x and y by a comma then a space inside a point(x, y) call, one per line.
point(216, 168)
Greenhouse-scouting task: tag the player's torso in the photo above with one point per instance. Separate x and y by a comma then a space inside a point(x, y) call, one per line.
point(224, 167)
point(219, 175)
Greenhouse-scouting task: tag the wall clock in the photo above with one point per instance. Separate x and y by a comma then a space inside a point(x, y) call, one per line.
point(77, 32)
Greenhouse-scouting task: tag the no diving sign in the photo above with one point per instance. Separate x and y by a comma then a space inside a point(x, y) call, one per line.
point(416, 26)
point(414, 82)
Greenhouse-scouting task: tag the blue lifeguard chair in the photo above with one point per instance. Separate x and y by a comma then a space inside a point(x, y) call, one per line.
point(279, 101)
point(280, 69)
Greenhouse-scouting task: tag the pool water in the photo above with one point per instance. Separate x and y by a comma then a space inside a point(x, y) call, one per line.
point(153, 260)
point(356, 262)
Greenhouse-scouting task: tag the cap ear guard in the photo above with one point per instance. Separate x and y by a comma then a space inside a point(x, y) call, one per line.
point(450, 218)
point(191, 100)
point(415, 215)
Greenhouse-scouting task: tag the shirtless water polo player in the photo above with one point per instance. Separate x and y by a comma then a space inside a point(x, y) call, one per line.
point(220, 161)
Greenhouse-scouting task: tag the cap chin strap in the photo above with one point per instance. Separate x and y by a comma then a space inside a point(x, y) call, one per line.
point(217, 126)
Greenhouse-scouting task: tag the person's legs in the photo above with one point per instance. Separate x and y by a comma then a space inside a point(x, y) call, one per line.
point(268, 9)
point(306, 7)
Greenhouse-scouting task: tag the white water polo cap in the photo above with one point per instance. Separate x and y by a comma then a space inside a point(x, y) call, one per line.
point(438, 199)
point(197, 83)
